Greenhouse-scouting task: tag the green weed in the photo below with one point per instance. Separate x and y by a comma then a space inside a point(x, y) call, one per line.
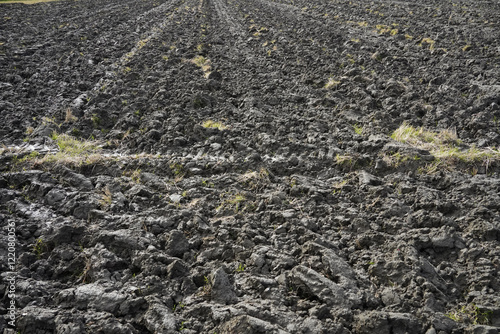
point(33, 155)
point(72, 146)
point(39, 247)
point(178, 170)
point(233, 203)
point(344, 160)
point(471, 314)
point(358, 129)
point(178, 306)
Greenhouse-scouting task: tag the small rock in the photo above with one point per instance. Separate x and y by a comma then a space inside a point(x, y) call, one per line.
point(175, 198)
point(154, 134)
point(368, 179)
point(288, 214)
point(83, 209)
point(54, 197)
point(280, 229)
point(159, 319)
point(180, 141)
point(109, 302)
point(78, 181)
point(371, 322)
point(139, 190)
point(443, 241)
point(215, 146)
point(215, 75)
point(177, 244)
point(222, 289)
point(390, 297)
point(177, 269)
point(245, 324)
point(482, 329)
point(404, 323)
point(442, 323)
point(32, 318)
point(312, 283)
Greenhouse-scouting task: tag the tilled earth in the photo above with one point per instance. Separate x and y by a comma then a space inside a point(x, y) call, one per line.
point(240, 175)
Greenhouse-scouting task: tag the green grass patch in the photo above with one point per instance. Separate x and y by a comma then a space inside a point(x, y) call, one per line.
point(358, 129)
point(72, 146)
point(72, 151)
point(445, 146)
point(234, 203)
point(471, 314)
point(345, 160)
point(425, 139)
point(397, 159)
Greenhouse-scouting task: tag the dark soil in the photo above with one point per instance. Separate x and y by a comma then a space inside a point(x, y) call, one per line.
point(294, 212)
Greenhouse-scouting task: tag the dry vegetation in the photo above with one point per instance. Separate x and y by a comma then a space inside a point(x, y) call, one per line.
point(445, 146)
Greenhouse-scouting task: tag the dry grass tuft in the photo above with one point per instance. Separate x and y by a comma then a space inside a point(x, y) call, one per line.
point(107, 198)
point(70, 118)
point(214, 125)
point(425, 139)
point(332, 83)
point(203, 63)
point(255, 180)
point(445, 146)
